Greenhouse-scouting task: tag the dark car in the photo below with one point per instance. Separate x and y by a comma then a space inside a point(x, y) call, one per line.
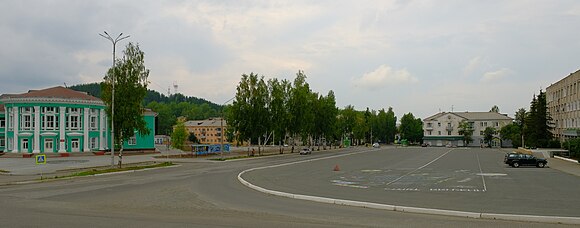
point(516, 160)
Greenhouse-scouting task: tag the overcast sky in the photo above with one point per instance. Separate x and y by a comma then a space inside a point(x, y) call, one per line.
point(415, 56)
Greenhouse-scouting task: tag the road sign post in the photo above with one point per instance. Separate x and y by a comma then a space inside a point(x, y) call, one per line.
point(40, 160)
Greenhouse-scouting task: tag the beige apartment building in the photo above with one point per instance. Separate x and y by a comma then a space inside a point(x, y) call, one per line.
point(563, 101)
point(442, 129)
point(208, 131)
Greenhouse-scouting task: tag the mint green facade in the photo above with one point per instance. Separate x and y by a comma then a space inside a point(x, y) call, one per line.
point(60, 120)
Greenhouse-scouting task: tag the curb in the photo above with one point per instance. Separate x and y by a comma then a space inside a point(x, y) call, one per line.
point(418, 210)
point(566, 159)
point(68, 178)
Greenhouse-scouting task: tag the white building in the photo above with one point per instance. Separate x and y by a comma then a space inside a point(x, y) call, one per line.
point(442, 129)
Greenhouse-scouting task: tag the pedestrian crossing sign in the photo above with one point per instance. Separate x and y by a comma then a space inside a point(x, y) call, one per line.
point(41, 159)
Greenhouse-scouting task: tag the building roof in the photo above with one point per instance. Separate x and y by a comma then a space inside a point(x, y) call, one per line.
point(54, 92)
point(211, 122)
point(473, 116)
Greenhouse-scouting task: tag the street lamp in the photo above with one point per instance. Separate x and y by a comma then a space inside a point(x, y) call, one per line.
point(114, 41)
point(222, 129)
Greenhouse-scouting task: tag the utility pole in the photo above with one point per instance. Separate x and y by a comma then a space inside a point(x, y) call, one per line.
point(114, 41)
point(222, 130)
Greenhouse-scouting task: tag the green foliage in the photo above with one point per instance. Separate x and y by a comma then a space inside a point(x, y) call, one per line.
point(192, 138)
point(494, 109)
point(130, 79)
point(538, 123)
point(488, 135)
point(466, 131)
point(411, 128)
point(179, 135)
point(512, 132)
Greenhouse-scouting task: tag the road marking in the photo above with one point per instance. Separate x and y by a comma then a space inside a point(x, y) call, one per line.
point(481, 171)
point(417, 169)
point(492, 174)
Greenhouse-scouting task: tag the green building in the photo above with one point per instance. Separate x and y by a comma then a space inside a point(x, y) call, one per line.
point(61, 120)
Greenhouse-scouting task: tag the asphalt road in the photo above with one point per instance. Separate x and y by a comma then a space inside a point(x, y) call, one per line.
point(473, 180)
point(208, 194)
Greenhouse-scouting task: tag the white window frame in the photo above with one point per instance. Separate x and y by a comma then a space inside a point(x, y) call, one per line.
point(49, 110)
point(10, 143)
point(132, 141)
point(2, 142)
point(2, 123)
point(72, 145)
point(10, 120)
point(74, 122)
point(93, 123)
point(48, 124)
point(94, 143)
point(26, 122)
point(24, 144)
point(46, 142)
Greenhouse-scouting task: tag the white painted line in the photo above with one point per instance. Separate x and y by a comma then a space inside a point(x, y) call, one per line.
point(511, 217)
point(480, 171)
point(417, 169)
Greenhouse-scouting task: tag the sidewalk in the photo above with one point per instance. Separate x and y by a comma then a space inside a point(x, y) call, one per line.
point(565, 166)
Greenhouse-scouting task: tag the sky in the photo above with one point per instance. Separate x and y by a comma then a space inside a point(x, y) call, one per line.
point(420, 56)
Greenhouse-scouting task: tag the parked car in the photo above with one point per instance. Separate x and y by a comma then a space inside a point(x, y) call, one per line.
point(425, 145)
point(516, 160)
point(376, 145)
point(305, 151)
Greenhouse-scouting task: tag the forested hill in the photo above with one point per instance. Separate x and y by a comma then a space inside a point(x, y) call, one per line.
point(94, 89)
point(168, 108)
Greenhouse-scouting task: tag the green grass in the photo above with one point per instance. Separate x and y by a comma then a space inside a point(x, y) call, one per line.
point(4, 171)
point(114, 170)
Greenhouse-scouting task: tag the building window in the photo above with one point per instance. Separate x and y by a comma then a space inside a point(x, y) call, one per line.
point(49, 122)
point(439, 132)
point(93, 123)
point(480, 132)
point(2, 123)
point(439, 124)
point(429, 132)
point(48, 110)
point(2, 142)
point(26, 123)
point(74, 122)
point(10, 144)
point(132, 141)
point(497, 124)
point(448, 132)
point(10, 120)
point(93, 143)
point(485, 124)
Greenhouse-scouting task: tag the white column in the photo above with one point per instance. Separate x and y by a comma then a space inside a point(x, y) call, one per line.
point(15, 126)
point(36, 143)
point(6, 119)
point(102, 127)
point(86, 130)
point(61, 127)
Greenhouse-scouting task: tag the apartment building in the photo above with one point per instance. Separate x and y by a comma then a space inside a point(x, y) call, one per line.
point(442, 129)
point(208, 131)
point(563, 101)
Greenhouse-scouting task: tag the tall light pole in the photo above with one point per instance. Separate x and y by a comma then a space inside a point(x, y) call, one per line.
point(114, 41)
point(222, 130)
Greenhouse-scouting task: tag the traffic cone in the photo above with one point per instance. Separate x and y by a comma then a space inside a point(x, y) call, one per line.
point(336, 168)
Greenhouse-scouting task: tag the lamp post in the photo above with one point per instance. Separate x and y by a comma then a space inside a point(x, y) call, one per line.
point(114, 41)
point(222, 130)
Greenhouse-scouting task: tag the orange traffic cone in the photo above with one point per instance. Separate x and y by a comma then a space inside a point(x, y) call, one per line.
point(336, 168)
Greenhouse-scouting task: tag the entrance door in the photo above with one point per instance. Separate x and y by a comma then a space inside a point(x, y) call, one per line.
point(24, 145)
point(48, 145)
point(74, 145)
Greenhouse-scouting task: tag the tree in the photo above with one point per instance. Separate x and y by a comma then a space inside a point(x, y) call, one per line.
point(192, 138)
point(130, 79)
point(391, 130)
point(494, 109)
point(538, 123)
point(179, 135)
point(488, 135)
point(466, 131)
point(512, 132)
point(411, 128)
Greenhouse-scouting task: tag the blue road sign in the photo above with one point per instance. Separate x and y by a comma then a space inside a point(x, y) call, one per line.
point(41, 159)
